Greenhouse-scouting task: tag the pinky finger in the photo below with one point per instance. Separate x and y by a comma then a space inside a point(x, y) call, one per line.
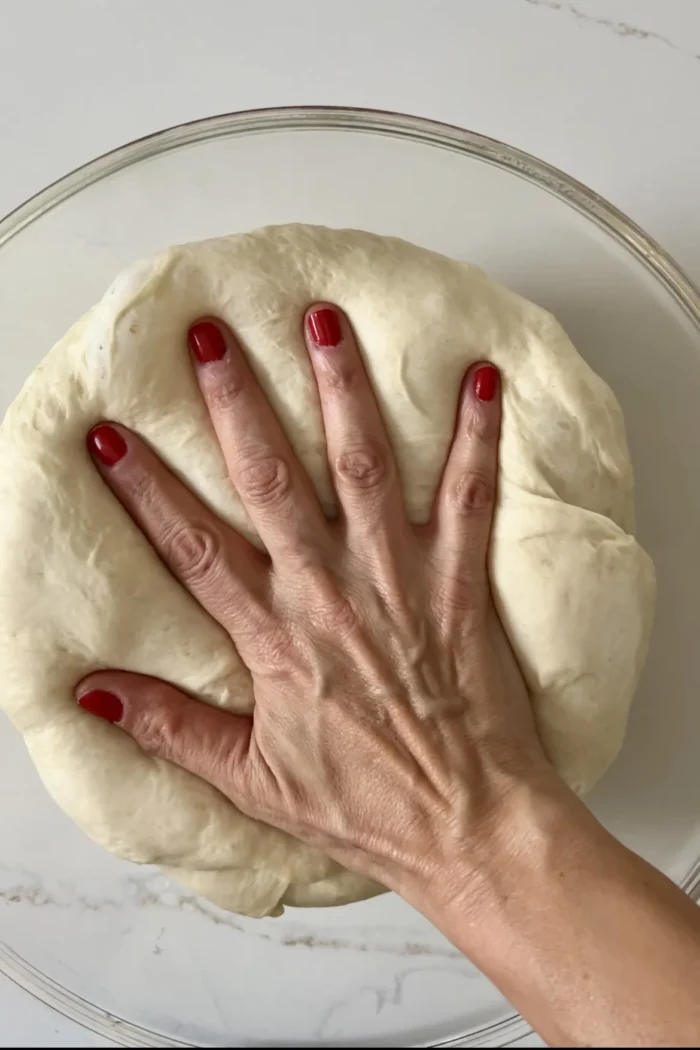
point(466, 498)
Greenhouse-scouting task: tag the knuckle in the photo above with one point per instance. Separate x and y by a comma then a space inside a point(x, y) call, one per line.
point(458, 607)
point(193, 551)
point(275, 651)
point(363, 467)
point(222, 393)
point(142, 488)
point(482, 423)
point(339, 374)
point(342, 617)
point(265, 481)
point(337, 615)
point(156, 734)
point(473, 493)
point(456, 595)
point(330, 610)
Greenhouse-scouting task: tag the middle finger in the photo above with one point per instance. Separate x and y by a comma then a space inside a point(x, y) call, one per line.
point(361, 458)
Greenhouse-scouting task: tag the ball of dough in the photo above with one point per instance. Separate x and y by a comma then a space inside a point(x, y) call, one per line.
point(81, 589)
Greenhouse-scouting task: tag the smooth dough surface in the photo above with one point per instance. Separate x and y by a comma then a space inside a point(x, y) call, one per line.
point(81, 589)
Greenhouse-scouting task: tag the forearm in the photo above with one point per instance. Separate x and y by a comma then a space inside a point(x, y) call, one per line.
point(590, 943)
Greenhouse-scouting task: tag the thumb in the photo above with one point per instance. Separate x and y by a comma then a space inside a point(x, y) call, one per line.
point(168, 724)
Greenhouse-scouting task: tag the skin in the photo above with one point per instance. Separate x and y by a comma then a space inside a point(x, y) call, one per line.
point(392, 726)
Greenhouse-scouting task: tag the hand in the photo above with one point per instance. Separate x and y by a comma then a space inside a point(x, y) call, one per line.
point(392, 727)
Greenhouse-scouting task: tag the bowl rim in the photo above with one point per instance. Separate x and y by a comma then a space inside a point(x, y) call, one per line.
point(374, 121)
point(309, 118)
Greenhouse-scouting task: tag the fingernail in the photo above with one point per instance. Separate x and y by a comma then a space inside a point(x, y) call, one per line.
point(103, 704)
point(324, 327)
point(107, 444)
point(206, 342)
point(486, 383)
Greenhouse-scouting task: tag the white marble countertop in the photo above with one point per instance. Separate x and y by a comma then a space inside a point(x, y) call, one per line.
point(607, 90)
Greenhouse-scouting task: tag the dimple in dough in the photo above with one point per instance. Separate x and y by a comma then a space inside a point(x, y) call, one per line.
point(81, 589)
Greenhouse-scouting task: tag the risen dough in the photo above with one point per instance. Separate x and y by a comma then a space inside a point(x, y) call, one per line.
point(81, 589)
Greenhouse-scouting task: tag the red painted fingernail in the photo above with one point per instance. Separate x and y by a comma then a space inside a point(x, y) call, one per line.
point(486, 383)
point(107, 444)
point(206, 342)
point(324, 327)
point(103, 704)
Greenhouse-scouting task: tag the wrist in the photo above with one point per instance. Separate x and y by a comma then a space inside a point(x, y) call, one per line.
point(475, 894)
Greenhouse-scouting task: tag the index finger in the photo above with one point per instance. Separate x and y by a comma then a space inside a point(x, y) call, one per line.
point(359, 451)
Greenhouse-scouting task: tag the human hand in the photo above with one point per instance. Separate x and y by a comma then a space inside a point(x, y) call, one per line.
point(392, 727)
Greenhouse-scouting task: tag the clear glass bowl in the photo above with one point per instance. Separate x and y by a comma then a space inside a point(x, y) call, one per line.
point(116, 947)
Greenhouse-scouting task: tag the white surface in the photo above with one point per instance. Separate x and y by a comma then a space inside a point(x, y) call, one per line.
point(117, 936)
point(606, 89)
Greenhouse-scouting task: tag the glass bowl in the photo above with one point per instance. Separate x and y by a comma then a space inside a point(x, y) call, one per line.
point(118, 948)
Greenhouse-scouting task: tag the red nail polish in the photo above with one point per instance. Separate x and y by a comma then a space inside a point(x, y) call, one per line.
point(103, 704)
point(324, 327)
point(486, 383)
point(107, 444)
point(206, 342)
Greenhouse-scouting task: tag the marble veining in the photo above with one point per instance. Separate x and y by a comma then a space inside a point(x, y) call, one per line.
point(623, 29)
point(22, 887)
point(379, 998)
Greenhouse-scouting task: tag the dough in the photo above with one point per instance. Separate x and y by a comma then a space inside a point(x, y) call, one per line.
point(81, 589)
